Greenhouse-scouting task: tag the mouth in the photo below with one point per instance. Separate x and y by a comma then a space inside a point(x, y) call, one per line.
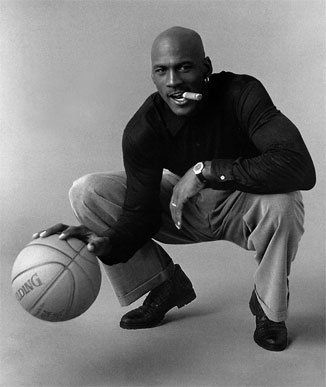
point(177, 98)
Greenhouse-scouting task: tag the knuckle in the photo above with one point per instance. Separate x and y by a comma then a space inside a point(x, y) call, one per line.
point(70, 230)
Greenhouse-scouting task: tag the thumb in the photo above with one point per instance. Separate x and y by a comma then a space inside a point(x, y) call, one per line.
point(99, 246)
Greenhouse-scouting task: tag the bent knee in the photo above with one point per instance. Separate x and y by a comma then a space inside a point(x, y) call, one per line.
point(286, 206)
point(81, 187)
point(106, 185)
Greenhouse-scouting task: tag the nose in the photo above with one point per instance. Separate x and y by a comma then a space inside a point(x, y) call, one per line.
point(173, 79)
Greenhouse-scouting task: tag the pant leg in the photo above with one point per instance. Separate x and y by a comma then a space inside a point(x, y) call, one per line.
point(272, 226)
point(196, 223)
point(269, 224)
point(97, 201)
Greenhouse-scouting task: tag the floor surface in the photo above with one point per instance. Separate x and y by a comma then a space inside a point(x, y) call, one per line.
point(207, 343)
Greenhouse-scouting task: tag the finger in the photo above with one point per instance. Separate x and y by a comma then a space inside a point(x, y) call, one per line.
point(74, 231)
point(176, 212)
point(99, 246)
point(174, 201)
point(178, 216)
point(173, 208)
point(59, 227)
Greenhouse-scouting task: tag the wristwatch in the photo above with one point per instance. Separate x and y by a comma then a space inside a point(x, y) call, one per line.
point(198, 169)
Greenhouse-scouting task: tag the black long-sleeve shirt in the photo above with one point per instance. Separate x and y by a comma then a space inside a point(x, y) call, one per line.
point(253, 148)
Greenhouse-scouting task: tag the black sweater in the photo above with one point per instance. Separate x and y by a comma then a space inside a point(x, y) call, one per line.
point(252, 145)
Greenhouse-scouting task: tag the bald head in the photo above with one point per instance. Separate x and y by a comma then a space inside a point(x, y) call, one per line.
point(179, 38)
point(179, 65)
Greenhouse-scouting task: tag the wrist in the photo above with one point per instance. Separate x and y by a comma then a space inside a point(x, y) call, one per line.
point(207, 170)
point(198, 169)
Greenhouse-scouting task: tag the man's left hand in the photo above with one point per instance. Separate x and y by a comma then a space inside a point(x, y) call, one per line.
point(187, 187)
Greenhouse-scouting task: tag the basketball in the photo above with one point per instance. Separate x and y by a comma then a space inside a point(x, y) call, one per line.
point(54, 279)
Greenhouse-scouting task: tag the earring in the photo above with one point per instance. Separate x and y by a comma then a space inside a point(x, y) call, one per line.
point(206, 80)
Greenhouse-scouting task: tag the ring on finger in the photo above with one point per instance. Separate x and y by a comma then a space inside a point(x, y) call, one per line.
point(173, 205)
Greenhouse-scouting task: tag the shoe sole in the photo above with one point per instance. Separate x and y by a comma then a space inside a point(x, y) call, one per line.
point(270, 347)
point(140, 326)
point(185, 300)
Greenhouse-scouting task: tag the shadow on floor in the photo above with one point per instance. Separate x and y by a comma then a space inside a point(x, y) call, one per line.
point(308, 328)
point(138, 364)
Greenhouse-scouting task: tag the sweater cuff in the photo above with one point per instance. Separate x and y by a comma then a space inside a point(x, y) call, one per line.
point(221, 175)
point(116, 255)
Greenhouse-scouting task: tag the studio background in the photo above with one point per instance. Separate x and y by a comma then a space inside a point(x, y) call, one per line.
point(74, 72)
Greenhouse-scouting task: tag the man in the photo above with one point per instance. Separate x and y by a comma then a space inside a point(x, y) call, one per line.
point(227, 166)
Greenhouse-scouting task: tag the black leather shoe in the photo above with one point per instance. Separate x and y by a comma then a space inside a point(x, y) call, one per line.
point(176, 291)
point(269, 334)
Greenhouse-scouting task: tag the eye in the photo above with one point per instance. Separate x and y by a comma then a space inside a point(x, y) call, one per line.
point(185, 68)
point(159, 70)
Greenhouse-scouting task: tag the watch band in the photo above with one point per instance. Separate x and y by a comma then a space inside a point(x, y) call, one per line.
point(198, 169)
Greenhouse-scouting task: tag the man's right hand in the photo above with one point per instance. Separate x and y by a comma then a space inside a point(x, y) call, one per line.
point(80, 232)
point(100, 246)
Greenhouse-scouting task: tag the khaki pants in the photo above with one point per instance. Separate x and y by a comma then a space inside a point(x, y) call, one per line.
point(270, 225)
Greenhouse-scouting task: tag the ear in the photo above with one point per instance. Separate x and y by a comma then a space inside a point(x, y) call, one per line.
point(208, 66)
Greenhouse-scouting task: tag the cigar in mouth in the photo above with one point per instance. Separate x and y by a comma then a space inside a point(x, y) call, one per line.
point(193, 96)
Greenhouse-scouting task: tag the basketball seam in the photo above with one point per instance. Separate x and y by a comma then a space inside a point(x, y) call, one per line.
point(34, 267)
point(65, 267)
point(47, 289)
point(86, 275)
point(86, 259)
point(55, 279)
point(65, 254)
point(54, 248)
point(49, 286)
point(70, 302)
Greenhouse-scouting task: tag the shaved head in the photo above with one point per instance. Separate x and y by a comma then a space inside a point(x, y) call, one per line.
point(179, 65)
point(179, 37)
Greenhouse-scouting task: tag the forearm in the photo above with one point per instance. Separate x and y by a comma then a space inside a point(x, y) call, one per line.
point(141, 214)
point(281, 162)
point(130, 233)
point(275, 171)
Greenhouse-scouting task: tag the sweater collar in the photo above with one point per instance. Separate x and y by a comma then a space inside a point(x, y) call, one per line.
point(174, 123)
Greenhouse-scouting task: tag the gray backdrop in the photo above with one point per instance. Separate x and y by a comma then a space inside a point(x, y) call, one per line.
point(72, 74)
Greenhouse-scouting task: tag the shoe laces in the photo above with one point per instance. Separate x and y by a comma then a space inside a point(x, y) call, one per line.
point(159, 296)
point(264, 322)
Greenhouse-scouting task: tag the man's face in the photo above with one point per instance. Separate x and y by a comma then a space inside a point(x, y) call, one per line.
point(175, 69)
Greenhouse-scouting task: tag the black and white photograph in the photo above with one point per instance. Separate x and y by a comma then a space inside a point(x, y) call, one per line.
point(163, 185)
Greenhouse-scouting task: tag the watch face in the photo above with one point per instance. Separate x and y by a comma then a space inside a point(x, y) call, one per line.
point(198, 168)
